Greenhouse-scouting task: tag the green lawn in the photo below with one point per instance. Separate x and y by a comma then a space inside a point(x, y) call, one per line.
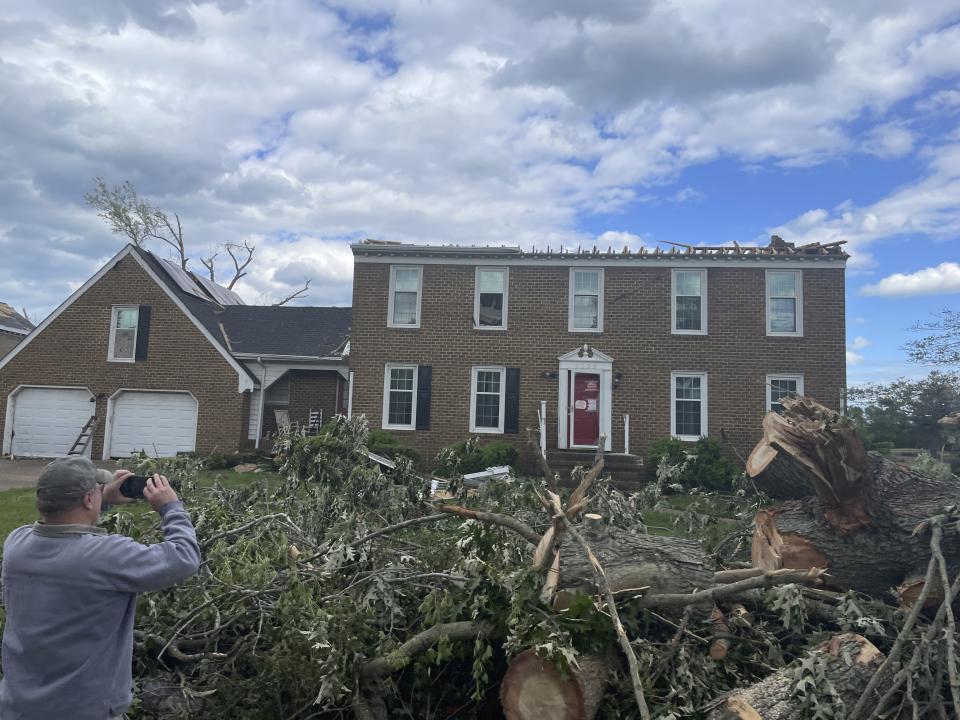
point(17, 507)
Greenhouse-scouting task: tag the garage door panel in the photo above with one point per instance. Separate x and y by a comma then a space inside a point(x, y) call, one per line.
point(159, 423)
point(47, 421)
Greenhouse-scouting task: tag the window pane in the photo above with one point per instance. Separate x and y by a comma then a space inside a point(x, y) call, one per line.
point(585, 311)
point(688, 418)
point(783, 315)
point(488, 381)
point(123, 343)
point(401, 408)
point(406, 280)
point(586, 282)
point(401, 379)
point(405, 308)
point(688, 313)
point(487, 411)
point(688, 283)
point(127, 319)
point(491, 281)
point(779, 388)
point(688, 388)
point(491, 309)
point(783, 285)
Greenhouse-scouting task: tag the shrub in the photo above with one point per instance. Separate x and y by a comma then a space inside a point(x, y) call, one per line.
point(384, 443)
point(469, 456)
point(703, 465)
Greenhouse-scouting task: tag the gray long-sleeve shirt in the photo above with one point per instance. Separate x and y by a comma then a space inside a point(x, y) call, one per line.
point(70, 593)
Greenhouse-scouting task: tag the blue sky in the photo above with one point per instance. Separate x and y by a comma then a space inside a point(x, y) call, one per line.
point(300, 125)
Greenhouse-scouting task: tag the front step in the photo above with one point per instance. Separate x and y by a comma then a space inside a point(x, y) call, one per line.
point(626, 471)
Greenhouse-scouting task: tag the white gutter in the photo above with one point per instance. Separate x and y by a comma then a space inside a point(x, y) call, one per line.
point(263, 395)
point(350, 396)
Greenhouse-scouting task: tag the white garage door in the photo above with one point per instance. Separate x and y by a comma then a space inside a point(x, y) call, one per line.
point(159, 423)
point(47, 421)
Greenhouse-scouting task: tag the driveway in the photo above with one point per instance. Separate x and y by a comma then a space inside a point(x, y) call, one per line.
point(25, 471)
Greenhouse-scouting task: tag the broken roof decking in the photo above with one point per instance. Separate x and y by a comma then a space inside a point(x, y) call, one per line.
point(777, 249)
point(12, 321)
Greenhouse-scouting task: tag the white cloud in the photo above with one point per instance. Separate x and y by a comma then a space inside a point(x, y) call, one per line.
point(854, 358)
point(859, 343)
point(940, 280)
point(502, 122)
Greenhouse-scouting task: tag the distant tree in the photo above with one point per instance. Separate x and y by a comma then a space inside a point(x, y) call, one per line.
point(128, 214)
point(904, 413)
point(941, 348)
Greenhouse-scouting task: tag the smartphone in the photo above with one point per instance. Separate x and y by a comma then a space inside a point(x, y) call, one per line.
point(133, 486)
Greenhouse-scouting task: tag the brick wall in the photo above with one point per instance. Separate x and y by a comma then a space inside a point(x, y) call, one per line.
point(312, 390)
point(737, 354)
point(72, 350)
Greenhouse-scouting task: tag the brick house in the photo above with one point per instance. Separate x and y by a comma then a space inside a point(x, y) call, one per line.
point(156, 358)
point(633, 346)
point(14, 327)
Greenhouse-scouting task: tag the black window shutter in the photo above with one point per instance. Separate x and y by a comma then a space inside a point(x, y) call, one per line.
point(511, 403)
point(143, 332)
point(424, 376)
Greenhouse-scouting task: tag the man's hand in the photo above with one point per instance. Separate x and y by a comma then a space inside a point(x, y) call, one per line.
point(111, 491)
point(158, 492)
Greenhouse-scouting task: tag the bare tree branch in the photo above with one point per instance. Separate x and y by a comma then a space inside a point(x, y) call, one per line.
point(240, 265)
point(293, 296)
point(208, 263)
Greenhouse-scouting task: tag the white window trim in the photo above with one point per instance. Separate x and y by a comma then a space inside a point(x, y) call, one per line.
point(473, 398)
point(384, 420)
point(703, 302)
point(704, 396)
point(393, 276)
point(476, 298)
point(799, 287)
point(570, 288)
point(781, 376)
point(113, 329)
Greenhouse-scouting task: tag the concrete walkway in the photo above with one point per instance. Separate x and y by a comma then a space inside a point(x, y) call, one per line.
point(25, 471)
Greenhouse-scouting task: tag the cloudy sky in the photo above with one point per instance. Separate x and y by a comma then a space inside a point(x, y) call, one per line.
point(302, 126)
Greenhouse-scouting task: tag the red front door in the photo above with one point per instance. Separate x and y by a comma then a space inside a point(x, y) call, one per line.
point(585, 392)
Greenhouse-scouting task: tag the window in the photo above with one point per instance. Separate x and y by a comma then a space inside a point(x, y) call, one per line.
point(690, 302)
point(784, 302)
point(487, 399)
point(586, 301)
point(490, 299)
point(779, 386)
point(123, 333)
point(688, 407)
point(399, 397)
point(404, 310)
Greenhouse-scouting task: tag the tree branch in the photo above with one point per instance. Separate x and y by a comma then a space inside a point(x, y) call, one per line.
point(519, 527)
point(709, 596)
point(240, 265)
point(294, 295)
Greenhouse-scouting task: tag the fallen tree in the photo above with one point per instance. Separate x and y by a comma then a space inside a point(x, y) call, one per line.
point(347, 593)
point(854, 513)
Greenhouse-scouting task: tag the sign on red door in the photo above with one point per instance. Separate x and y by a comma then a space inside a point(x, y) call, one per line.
point(586, 408)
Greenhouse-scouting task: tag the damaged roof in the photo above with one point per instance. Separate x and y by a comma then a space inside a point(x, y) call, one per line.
point(12, 321)
point(778, 248)
point(261, 329)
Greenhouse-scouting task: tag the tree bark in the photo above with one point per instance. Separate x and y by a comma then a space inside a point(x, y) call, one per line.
point(772, 698)
point(859, 513)
point(533, 689)
point(632, 562)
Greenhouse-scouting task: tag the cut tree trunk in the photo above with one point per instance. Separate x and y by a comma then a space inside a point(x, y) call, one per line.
point(772, 697)
point(859, 512)
point(533, 689)
point(632, 561)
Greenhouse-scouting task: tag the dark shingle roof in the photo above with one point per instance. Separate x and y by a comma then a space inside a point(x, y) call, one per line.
point(13, 321)
point(263, 329)
point(283, 330)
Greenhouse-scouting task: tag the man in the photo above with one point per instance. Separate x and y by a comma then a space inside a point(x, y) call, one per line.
point(70, 592)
